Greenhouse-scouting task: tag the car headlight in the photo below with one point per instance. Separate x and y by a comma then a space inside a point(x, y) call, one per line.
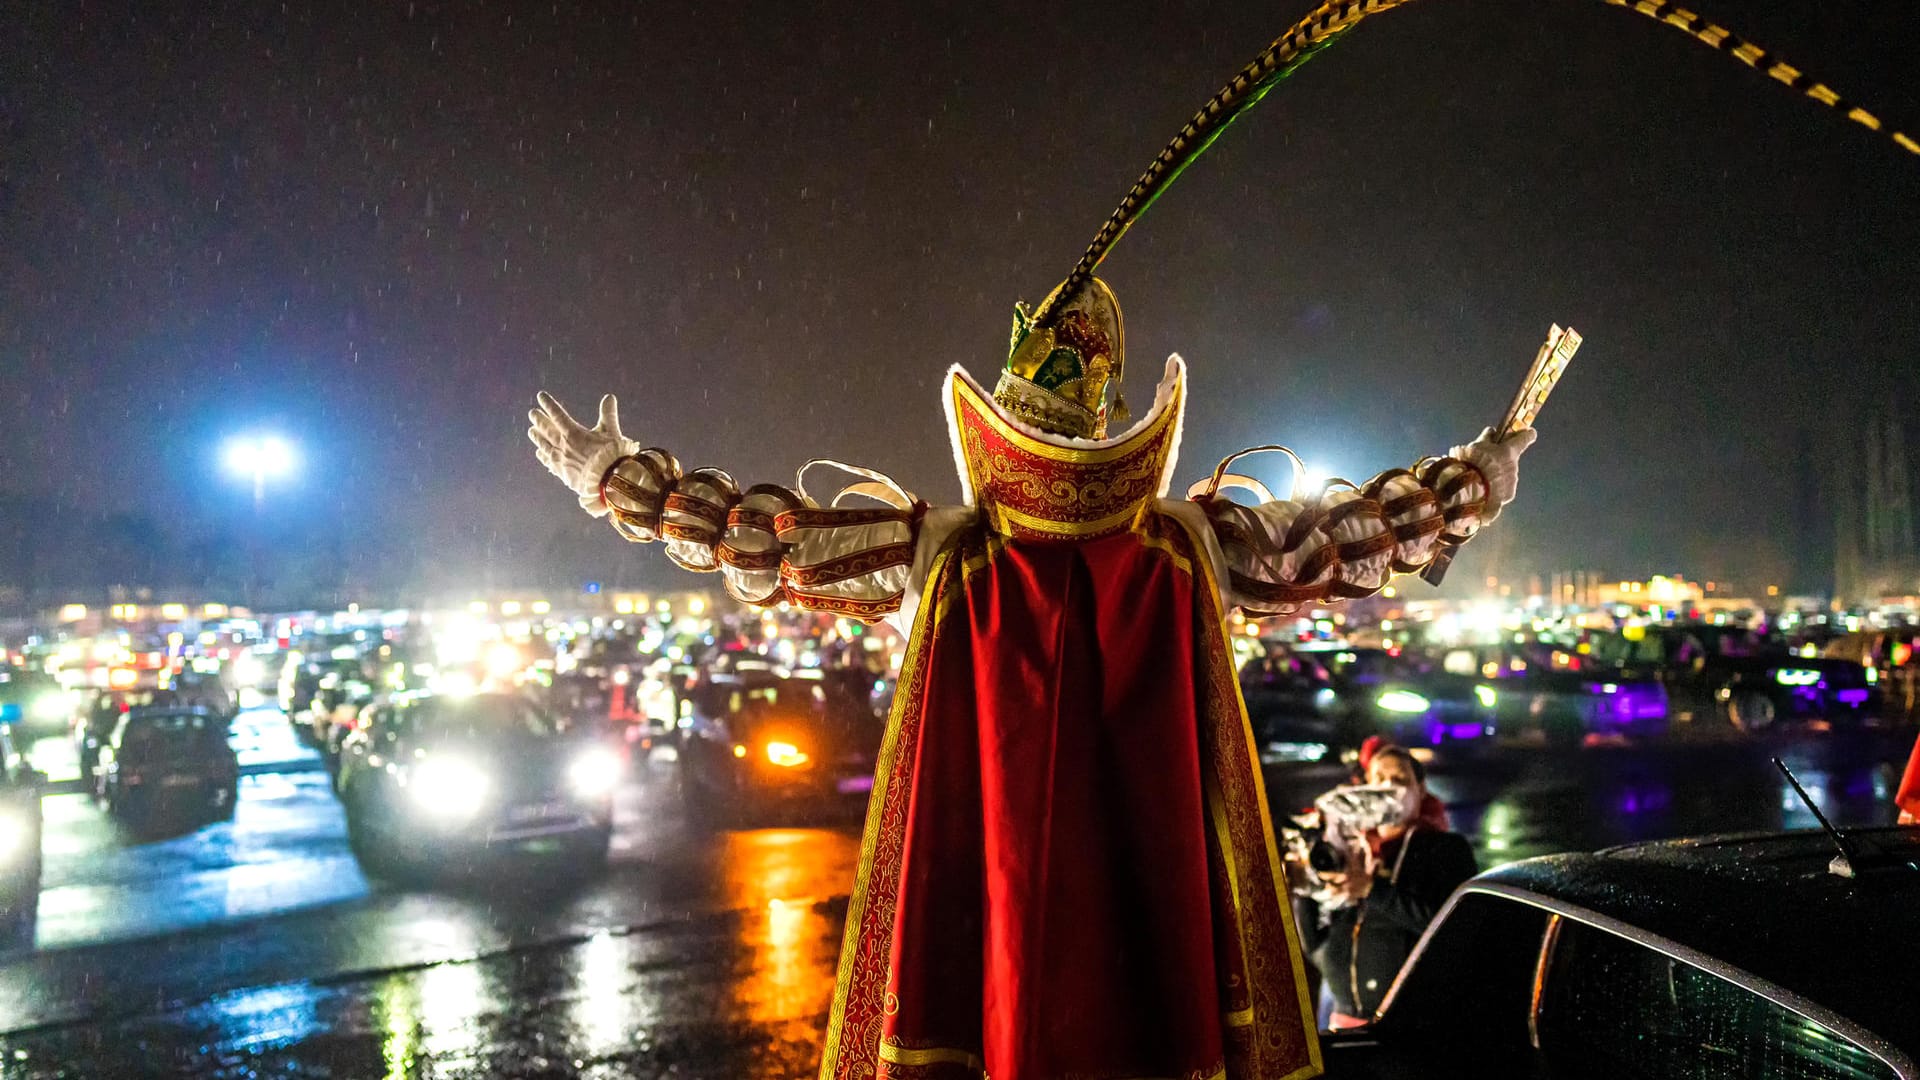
point(503, 660)
point(52, 705)
point(448, 788)
point(594, 773)
point(1403, 701)
point(247, 669)
point(786, 755)
point(1485, 696)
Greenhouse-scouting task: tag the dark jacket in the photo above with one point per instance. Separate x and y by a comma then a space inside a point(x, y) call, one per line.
point(1361, 947)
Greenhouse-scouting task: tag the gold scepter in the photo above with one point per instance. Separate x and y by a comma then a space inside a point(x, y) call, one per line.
point(1548, 365)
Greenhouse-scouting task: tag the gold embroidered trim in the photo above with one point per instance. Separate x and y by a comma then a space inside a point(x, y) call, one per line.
point(911, 682)
point(933, 1055)
point(847, 567)
point(1210, 594)
point(965, 397)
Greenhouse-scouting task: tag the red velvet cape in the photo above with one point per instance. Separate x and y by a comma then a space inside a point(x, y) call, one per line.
point(1069, 870)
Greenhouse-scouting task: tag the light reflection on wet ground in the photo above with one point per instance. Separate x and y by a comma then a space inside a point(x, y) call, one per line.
point(712, 954)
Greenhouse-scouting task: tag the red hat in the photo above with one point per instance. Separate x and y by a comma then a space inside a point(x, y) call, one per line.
point(1373, 745)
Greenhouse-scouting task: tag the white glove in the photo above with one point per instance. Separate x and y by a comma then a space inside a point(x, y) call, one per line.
point(579, 455)
point(1499, 462)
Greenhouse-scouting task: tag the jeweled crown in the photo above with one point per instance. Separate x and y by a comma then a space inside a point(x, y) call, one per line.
point(1057, 375)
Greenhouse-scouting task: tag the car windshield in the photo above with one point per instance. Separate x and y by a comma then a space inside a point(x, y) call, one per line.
point(1372, 665)
point(487, 716)
point(147, 729)
point(796, 696)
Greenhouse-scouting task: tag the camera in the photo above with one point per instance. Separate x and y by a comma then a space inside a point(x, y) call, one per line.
point(1323, 855)
point(1324, 840)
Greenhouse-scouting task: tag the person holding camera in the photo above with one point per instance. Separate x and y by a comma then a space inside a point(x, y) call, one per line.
point(1361, 924)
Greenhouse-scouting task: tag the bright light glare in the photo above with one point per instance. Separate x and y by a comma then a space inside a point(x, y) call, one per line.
point(1403, 701)
point(1312, 480)
point(594, 773)
point(266, 455)
point(13, 834)
point(786, 755)
point(503, 660)
point(448, 788)
point(248, 670)
point(53, 705)
point(1486, 696)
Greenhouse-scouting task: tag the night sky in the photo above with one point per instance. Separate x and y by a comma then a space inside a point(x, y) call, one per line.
point(380, 228)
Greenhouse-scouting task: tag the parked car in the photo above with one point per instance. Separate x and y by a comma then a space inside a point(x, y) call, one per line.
point(166, 761)
point(1735, 956)
point(1411, 699)
point(344, 722)
point(99, 713)
point(335, 708)
point(762, 742)
point(302, 679)
point(1733, 672)
point(1292, 707)
point(45, 707)
point(20, 828)
point(1888, 657)
point(207, 690)
point(432, 782)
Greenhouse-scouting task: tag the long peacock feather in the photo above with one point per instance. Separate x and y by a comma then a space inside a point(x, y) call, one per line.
point(1333, 19)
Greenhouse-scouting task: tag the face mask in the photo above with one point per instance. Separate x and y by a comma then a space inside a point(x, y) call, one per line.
point(1409, 803)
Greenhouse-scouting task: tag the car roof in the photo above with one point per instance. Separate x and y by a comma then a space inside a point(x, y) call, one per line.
point(1766, 904)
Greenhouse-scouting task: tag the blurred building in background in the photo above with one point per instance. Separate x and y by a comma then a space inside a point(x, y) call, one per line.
point(1874, 553)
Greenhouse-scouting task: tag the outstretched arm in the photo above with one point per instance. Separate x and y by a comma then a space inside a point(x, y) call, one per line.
point(1283, 555)
point(769, 543)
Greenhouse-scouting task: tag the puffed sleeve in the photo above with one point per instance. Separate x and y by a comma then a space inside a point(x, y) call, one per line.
point(770, 544)
point(1283, 555)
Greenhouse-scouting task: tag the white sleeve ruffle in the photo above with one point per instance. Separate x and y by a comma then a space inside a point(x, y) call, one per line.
point(770, 544)
point(1284, 555)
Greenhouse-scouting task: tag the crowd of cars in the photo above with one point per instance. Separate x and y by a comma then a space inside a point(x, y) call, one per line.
point(516, 743)
point(1311, 698)
point(1584, 965)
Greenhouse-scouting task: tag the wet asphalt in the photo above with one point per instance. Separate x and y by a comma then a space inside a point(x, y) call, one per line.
point(257, 949)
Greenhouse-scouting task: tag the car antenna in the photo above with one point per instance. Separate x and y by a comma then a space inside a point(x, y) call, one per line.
point(1852, 861)
point(1842, 865)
